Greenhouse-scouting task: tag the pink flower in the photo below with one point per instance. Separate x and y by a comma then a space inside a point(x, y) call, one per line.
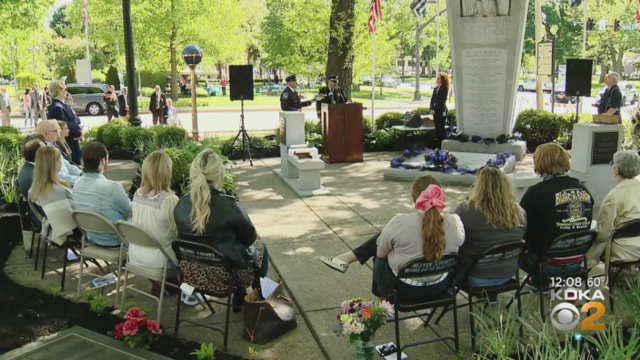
point(130, 328)
point(118, 334)
point(135, 314)
point(431, 197)
point(154, 327)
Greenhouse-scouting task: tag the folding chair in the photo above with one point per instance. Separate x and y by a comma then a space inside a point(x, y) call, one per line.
point(629, 229)
point(132, 234)
point(96, 223)
point(569, 245)
point(36, 228)
point(206, 255)
point(506, 258)
point(421, 268)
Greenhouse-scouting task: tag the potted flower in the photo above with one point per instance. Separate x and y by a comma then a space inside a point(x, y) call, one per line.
point(137, 331)
point(359, 320)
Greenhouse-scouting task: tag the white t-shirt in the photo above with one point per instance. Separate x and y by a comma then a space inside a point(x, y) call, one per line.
point(403, 238)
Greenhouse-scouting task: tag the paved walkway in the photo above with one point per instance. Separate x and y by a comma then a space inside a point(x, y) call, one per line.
point(297, 232)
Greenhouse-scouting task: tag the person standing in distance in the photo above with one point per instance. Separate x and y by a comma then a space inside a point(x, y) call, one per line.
point(289, 99)
point(438, 107)
point(158, 101)
point(331, 94)
point(39, 103)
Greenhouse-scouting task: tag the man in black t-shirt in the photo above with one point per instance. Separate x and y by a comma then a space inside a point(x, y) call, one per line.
point(611, 100)
point(556, 206)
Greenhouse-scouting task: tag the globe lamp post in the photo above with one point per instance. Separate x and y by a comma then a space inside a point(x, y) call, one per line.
point(192, 55)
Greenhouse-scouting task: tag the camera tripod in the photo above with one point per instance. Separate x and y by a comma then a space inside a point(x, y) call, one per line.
point(246, 139)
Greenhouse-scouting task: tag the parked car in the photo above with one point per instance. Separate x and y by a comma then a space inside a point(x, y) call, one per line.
point(561, 97)
point(388, 81)
point(88, 98)
point(530, 85)
point(629, 95)
point(366, 80)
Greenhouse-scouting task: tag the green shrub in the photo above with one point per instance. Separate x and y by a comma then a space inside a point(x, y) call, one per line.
point(423, 111)
point(112, 77)
point(229, 185)
point(181, 160)
point(389, 119)
point(26, 80)
point(186, 103)
point(147, 91)
point(200, 92)
point(98, 77)
point(113, 132)
point(451, 117)
point(134, 135)
point(143, 104)
point(366, 124)
point(9, 130)
point(153, 78)
point(11, 141)
point(539, 127)
point(171, 136)
point(381, 138)
point(312, 127)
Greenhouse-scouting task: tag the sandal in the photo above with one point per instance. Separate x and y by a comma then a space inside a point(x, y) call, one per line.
point(335, 263)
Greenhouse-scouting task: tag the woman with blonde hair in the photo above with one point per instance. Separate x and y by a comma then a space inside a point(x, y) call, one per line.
point(425, 232)
point(46, 187)
point(153, 206)
point(61, 143)
point(491, 216)
point(208, 216)
point(556, 206)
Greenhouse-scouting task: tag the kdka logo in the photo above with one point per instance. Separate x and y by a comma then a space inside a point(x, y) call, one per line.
point(565, 316)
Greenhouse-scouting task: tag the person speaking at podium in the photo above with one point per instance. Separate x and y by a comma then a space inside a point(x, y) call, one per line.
point(330, 94)
point(289, 99)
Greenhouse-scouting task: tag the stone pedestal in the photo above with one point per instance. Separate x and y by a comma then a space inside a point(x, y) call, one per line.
point(516, 148)
point(592, 150)
point(302, 175)
point(486, 39)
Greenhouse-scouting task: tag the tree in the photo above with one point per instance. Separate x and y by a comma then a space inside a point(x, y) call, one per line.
point(59, 22)
point(63, 53)
point(340, 59)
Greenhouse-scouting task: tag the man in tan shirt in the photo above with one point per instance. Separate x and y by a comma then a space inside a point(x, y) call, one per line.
point(620, 206)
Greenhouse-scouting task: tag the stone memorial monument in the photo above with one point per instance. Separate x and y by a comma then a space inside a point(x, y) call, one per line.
point(300, 165)
point(486, 39)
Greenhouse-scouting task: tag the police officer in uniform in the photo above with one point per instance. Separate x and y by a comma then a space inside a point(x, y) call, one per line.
point(330, 94)
point(289, 99)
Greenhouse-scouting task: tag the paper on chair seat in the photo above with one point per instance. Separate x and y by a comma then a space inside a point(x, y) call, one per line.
point(104, 281)
point(268, 286)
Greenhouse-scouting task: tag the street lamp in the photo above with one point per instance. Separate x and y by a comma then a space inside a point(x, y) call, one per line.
point(33, 51)
point(192, 55)
point(13, 63)
point(134, 118)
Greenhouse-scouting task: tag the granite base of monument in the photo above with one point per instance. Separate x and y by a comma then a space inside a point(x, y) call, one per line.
point(593, 148)
point(516, 148)
point(295, 184)
point(468, 160)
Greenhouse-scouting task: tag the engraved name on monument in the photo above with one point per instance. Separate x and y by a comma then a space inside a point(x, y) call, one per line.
point(484, 71)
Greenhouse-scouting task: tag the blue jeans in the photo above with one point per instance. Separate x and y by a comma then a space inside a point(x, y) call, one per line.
point(530, 265)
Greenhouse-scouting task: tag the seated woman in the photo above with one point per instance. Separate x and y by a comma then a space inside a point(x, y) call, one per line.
point(424, 233)
point(491, 216)
point(153, 207)
point(621, 205)
point(51, 195)
point(208, 216)
point(556, 206)
point(93, 192)
point(61, 143)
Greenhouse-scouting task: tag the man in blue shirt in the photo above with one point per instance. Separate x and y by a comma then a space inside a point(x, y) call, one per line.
point(95, 193)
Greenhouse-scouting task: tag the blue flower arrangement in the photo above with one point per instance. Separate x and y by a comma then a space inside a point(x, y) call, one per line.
point(442, 161)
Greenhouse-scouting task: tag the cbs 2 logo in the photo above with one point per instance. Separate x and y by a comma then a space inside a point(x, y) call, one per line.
point(569, 316)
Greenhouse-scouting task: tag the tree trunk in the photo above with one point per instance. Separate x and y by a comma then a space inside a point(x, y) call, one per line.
point(174, 59)
point(403, 69)
point(340, 59)
point(603, 73)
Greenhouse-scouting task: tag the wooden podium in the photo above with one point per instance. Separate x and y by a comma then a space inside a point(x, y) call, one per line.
point(342, 134)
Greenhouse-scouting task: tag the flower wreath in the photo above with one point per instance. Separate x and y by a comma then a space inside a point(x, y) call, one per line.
point(443, 161)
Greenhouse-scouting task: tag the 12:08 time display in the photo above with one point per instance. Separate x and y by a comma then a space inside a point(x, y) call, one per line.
point(570, 282)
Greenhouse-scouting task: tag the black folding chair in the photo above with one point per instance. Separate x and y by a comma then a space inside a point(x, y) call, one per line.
point(565, 246)
point(506, 259)
point(629, 229)
point(422, 268)
point(207, 256)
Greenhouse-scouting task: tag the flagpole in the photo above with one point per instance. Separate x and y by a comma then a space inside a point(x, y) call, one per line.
point(86, 29)
point(373, 80)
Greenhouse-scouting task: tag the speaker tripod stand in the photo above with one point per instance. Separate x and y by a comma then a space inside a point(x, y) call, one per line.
point(246, 139)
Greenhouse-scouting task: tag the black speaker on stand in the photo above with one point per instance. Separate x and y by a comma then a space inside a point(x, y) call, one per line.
point(241, 81)
point(578, 80)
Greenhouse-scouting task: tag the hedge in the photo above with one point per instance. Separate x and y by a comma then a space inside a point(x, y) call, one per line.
point(11, 141)
point(26, 80)
point(539, 127)
point(170, 136)
point(135, 135)
point(389, 119)
point(112, 133)
point(153, 78)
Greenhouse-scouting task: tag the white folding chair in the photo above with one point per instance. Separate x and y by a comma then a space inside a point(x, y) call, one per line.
point(132, 234)
point(96, 223)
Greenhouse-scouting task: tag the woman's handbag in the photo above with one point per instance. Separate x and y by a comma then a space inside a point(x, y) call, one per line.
point(265, 320)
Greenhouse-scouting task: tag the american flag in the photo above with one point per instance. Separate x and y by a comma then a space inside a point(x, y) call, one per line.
point(183, 82)
point(638, 13)
point(374, 15)
point(85, 16)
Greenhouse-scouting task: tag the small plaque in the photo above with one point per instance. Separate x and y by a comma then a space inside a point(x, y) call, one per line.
point(605, 144)
point(283, 130)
